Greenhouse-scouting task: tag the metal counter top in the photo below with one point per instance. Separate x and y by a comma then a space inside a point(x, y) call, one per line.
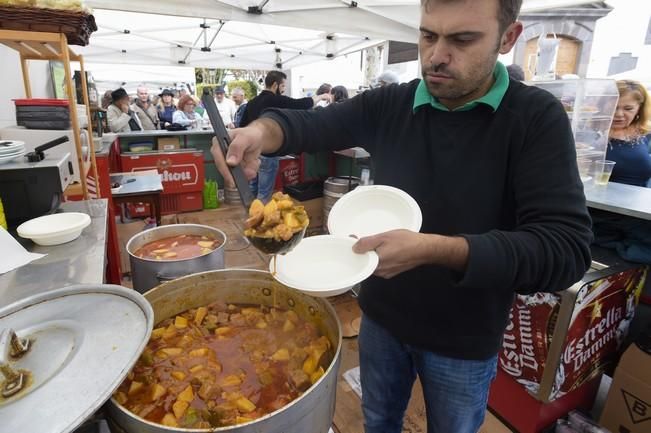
point(162, 133)
point(81, 261)
point(620, 198)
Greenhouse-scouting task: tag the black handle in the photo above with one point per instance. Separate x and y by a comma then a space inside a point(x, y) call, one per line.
point(224, 140)
point(51, 144)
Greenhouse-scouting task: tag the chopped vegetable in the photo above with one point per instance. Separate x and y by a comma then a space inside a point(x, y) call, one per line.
point(179, 407)
point(181, 322)
point(187, 394)
point(169, 420)
point(157, 391)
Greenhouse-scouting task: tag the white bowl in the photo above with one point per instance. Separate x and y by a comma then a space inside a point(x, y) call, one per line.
point(54, 229)
point(324, 266)
point(370, 210)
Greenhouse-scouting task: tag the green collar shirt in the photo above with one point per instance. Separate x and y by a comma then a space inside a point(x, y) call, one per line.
point(492, 98)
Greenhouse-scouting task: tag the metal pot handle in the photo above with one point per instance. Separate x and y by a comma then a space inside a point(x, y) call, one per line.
point(12, 346)
point(164, 278)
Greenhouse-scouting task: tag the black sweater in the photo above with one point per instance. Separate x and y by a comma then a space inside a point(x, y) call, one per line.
point(268, 99)
point(507, 181)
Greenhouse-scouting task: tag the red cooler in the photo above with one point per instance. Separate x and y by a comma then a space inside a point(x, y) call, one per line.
point(557, 345)
point(182, 173)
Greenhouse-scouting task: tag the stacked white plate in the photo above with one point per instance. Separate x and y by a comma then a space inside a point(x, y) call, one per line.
point(326, 265)
point(10, 150)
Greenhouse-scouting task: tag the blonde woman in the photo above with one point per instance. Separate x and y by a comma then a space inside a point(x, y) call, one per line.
point(629, 137)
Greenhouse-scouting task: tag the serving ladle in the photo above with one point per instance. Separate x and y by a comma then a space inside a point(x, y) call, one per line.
point(265, 245)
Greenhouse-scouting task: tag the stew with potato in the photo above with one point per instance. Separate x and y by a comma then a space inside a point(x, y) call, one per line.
point(223, 365)
point(178, 247)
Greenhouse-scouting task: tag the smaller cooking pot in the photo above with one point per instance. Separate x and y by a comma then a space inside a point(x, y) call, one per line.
point(147, 274)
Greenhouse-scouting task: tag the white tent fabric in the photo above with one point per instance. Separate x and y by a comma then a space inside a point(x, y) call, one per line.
point(252, 34)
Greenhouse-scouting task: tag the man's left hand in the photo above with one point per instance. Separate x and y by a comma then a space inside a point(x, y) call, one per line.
point(399, 251)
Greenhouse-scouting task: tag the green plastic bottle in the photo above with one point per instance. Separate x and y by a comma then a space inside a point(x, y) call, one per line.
point(3, 220)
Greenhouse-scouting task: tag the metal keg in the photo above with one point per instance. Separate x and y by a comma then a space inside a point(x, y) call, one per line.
point(232, 196)
point(333, 189)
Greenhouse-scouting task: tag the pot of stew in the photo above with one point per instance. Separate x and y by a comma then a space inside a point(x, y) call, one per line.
point(169, 252)
point(233, 351)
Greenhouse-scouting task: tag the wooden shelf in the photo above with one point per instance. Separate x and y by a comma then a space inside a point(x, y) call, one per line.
point(54, 46)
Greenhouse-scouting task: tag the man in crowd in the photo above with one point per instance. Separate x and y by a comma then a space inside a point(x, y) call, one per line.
point(145, 110)
point(121, 117)
point(225, 106)
point(492, 164)
point(387, 78)
point(272, 96)
point(240, 101)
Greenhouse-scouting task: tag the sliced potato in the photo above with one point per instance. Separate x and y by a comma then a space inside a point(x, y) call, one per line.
point(204, 351)
point(120, 397)
point(200, 315)
point(288, 326)
point(245, 405)
point(187, 394)
point(157, 333)
point(179, 407)
point(178, 375)
point(231, 380)
point(180, 322)
point(316, 375)
point(170, 255)
point(196, 368)
point(205, 244)
point(223, 330)
point(169, 420)
point(135, 387)
point(281, 355)
point(171, 351)
point(161, 251)
point(157, 391)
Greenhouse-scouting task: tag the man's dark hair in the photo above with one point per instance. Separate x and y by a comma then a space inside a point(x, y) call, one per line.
point(274, 77)
point(507, 14)
point(323, 89)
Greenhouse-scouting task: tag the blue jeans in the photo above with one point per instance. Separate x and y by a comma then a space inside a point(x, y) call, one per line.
point(262, 186)
point(455, 390)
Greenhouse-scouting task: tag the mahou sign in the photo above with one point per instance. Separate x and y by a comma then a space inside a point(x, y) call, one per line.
point(180, 171)
point(551, 362)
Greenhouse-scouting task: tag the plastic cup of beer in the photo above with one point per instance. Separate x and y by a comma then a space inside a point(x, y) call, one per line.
point(603, 170)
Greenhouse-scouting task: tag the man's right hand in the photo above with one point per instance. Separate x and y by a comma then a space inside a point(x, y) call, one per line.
point(247, 144)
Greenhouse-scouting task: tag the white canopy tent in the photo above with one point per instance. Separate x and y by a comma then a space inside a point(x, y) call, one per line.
point(251, 34)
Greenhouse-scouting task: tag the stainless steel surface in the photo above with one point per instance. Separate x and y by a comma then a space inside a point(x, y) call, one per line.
point(147, 273)
point(136, 183)
point(81, 261)
point(162, 133)
point(84, 341)
point(310, 413)
point(620, 198)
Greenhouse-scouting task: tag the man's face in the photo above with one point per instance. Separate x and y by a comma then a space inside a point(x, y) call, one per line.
point(237, 98)
point(459, 43)
point(143, 94)
point(219, 97)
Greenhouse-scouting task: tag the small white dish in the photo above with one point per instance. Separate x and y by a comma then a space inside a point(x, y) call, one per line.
point(8, 158)
point(369, 210)
point(324, 266)
point(54, 229)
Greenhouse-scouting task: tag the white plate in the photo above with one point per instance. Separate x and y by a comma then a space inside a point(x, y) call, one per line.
point(11, 150)
point(54, 229)
point(369, 210)
point(9, 158)
point(324, 266)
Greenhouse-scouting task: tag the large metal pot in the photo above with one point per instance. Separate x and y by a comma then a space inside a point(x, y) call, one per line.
point(310, 413)
point(147, 274)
